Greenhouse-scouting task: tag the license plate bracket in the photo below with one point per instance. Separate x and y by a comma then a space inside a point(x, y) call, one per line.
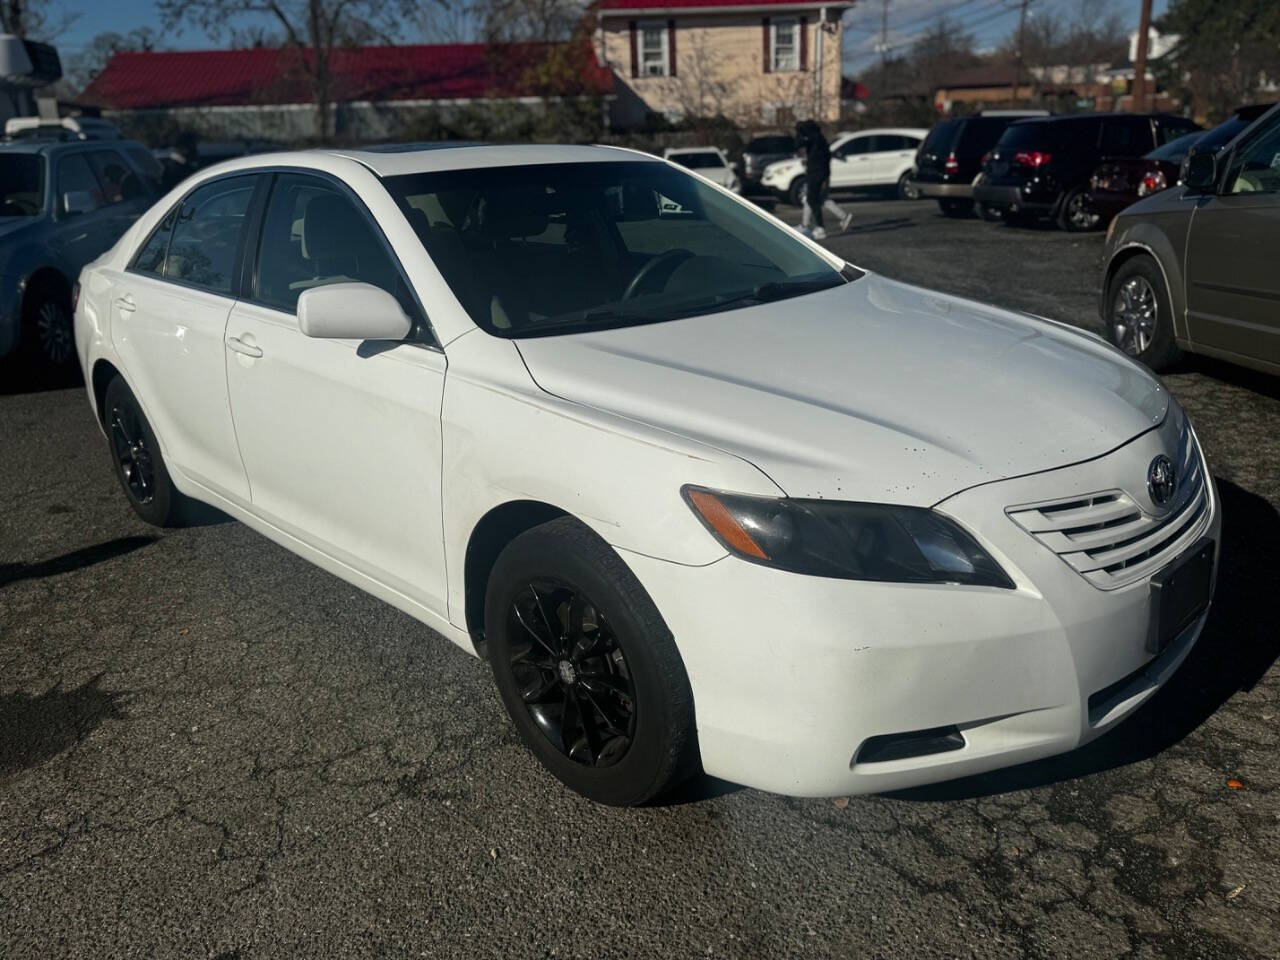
point(1179, 594)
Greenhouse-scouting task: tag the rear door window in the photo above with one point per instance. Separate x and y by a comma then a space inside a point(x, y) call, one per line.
point(207, 233)
point(702, 160)
point(78, 190)
point(980, 135)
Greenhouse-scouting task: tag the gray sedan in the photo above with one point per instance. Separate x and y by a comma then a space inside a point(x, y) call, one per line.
point(1195, 268)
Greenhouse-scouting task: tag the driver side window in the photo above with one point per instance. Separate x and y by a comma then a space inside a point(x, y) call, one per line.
point(1256, 166)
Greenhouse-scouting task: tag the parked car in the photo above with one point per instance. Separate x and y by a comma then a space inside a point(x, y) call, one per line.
point(62, 203)
point(710, 162)
point(63, 128)
point(1194, 268)
point(866, 159)
point(1041, 167)
point(877, 536)
point(762, 151)
point(1119, 182)
point(950, 158)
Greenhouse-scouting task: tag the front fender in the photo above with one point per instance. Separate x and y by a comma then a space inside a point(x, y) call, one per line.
point(1150, 237)
point(506, 440)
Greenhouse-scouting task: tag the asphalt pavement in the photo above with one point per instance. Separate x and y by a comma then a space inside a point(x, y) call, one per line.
point(209, 748)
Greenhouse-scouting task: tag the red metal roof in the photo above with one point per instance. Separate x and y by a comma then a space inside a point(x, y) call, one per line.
point(711, 4)
point(161, 79)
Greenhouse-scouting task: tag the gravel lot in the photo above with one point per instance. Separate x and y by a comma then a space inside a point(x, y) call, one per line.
point(210, 748)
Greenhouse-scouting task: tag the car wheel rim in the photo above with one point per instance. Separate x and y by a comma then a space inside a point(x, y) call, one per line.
point(1078, 215)
point(1135, 315)
point(133, 459)
point(571, 674)
point(53, 327)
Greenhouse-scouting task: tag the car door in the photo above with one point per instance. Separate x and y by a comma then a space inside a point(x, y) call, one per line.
point(892, 155)
point(168, 320)
point(80, 210)
point(851, 162)
point(1233, 284)
point(340, 439)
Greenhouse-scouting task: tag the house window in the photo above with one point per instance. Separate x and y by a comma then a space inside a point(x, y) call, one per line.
point(786, 45)
point(653, 50)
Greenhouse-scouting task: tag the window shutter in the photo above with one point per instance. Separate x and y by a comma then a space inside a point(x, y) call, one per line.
point(804, 43)
point(671, 48)
point(635, 60)
point(767, 64)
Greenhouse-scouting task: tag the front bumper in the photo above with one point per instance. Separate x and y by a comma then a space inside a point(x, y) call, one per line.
point(792, 675)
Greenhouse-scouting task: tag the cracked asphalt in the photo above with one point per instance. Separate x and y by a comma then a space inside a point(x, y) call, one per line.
point(209, 748)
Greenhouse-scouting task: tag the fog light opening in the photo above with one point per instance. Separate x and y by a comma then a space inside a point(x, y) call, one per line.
point(907, 746)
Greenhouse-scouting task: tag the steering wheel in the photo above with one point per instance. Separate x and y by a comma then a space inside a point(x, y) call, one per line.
point(672, 257)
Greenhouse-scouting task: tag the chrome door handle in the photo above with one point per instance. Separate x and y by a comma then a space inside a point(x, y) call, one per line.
point(125, 304)
point(239, 346)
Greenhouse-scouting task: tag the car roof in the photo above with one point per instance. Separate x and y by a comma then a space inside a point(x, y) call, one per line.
point(395, 159)
point(908, 131)
point(36, 145)
point(674, 150)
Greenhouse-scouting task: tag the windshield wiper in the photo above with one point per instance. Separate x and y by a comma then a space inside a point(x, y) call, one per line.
point(774, 290)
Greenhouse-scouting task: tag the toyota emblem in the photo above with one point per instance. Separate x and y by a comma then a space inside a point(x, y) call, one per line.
point(1162, 481)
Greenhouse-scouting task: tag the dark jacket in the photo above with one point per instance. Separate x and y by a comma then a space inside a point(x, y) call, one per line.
point(817, 152)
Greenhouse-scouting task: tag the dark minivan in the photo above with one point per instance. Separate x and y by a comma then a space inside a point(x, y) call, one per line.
point(1041, 168)
point(950, 158)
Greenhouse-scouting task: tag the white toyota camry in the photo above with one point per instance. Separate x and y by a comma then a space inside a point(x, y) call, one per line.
point(702, 492)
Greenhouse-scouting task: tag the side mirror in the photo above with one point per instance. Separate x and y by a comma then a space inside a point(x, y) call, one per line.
point(1202, 171)
point(351, 311)
point(75, 202)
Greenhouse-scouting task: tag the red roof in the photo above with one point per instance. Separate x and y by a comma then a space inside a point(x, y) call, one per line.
point(161, 79)
point(699, 4)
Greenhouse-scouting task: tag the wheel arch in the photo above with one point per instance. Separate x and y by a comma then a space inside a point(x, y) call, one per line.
point(103, 372)
point(45, 278)
point(1130, 251)
point(489, 537)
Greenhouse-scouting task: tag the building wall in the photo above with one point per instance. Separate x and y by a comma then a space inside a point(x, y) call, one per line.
point(720, 70)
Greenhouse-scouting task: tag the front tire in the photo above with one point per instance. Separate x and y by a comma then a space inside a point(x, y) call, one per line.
point(586, 667)
point(48, 334)
point(139, 464)
point(1139, 315)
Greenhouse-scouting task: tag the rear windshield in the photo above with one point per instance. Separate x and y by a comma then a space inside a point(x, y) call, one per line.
point(981, 133)
point(939, 138)
point(1222, 134)
point(777, 144)
point(698, 161)
point(1175, 150)
point(21, 184)
point(1038, 135)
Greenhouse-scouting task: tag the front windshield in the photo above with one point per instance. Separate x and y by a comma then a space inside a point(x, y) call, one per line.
point(1175, 150)
point(21, 184)
point(559, 248)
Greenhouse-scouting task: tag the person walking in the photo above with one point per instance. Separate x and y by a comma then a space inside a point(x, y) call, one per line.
point(817, 176)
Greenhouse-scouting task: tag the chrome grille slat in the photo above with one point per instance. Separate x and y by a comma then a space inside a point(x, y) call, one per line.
point(1109, 539)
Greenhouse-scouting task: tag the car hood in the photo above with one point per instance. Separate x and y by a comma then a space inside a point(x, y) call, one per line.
point(873, 390)
point(783, 167)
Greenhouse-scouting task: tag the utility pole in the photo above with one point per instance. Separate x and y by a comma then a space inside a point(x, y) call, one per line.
point(1022, 50)
point(1140, 61)
point(884, 49)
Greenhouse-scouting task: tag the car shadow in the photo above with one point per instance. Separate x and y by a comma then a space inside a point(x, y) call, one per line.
point(75, 560)
point(1267, 384)
point(37, 728)
point(19, 375)
point(1237, 648)
point(879, 226)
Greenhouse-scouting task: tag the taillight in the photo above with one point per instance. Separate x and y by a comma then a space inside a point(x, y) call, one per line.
point(952, 165)
point(75, 296)
point(1035, 159)
point(985, 157)
point(1151, 183)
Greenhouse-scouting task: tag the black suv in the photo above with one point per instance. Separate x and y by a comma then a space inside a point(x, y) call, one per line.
point(761, 152)
point(951, 156)
point(1041, 168)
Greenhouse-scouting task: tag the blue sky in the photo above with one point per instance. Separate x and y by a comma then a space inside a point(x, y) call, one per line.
point(989, 20)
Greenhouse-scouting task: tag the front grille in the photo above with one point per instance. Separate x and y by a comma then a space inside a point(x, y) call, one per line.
point(1109, 539)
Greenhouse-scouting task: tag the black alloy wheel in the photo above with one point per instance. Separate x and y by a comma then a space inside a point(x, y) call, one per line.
point(1075, 215)
point(571, 673)
point(129, 445)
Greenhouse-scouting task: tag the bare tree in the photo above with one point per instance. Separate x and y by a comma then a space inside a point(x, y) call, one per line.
point(506, 21)
point(312, 29)
point(34, 19)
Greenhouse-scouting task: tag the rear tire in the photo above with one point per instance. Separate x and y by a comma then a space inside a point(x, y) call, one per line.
point(1073, 213)
point(956, 208)
point(1139, 314)
point(586, 667)
point(989, 214)
point(139, 464)
point(907, 190)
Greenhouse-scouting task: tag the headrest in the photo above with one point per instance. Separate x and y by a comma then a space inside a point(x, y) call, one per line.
point(329, 226)
point(506, 214)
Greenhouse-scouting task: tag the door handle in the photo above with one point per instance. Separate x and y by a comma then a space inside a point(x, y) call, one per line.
point(239, 346)
point(125, 304)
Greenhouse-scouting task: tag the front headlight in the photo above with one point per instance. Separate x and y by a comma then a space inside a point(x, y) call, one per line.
point(849, 541)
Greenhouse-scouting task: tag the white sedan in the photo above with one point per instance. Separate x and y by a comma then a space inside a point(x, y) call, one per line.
point(709, 162)
point(864, 160)
point(702, 492)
